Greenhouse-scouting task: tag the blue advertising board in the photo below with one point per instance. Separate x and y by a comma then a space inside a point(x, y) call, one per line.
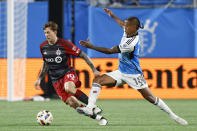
point(168, 32)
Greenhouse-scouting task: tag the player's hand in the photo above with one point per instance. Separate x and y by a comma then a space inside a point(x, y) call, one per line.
point(86, 44)
point(37, 84)
point(109, 12)
point(96, 73)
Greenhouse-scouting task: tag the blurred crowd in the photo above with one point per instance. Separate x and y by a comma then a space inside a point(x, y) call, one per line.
point(113, 3)
point(122, 3)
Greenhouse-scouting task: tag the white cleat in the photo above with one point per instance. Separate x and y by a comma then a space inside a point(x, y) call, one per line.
point(181, 121)
point(89, 111)
point(103, 122)
point(97, 110)
point(85, 111)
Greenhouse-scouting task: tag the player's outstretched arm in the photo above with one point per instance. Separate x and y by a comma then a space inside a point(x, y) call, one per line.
point(41, 75)
point(119, 21)
point(89, 62)
point(88, 44)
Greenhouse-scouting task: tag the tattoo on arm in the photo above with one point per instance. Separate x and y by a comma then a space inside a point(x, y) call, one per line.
point(43, 71)
point(87, 60)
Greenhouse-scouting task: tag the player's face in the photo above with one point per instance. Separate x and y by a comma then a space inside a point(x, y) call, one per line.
point(129, 28)
point(50, 35)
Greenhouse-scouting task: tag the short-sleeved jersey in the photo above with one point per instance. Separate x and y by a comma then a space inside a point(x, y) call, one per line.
point(57, 57)
point(129, 56)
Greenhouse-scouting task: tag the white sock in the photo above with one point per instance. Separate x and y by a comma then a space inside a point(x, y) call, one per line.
point(94, 93)
point(162, 105)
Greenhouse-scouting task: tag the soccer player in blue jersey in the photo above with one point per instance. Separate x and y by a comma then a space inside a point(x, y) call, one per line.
point(129, 70)
point(56, 54)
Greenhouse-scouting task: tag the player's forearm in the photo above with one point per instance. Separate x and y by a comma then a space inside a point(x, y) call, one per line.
point(118, 20)
point(87, 60)
point(42, 72)
point(101, 49)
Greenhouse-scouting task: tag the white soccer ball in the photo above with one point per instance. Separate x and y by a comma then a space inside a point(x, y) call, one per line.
point(44, 117)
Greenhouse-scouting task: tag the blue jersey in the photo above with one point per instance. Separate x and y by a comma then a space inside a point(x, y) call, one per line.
point(129, 56)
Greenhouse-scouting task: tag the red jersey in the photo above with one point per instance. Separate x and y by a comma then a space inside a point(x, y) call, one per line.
point(57, 57)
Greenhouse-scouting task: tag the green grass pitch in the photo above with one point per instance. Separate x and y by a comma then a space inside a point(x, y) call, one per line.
point(123, 115)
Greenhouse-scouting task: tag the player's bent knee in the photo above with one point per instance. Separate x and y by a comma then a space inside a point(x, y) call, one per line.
point(72, 102)
point(70, 87)
point(98, 80)
point(105, 80)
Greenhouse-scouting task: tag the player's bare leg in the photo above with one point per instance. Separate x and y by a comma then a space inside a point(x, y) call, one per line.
point(94, 93)
point(70, 88)
point(73, 102)
point(102, 80)
point(147, 94)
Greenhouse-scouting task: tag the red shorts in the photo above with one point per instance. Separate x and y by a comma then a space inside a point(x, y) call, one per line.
point(59, 85)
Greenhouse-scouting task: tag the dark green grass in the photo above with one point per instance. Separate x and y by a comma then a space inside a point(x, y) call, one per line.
point(123, 115)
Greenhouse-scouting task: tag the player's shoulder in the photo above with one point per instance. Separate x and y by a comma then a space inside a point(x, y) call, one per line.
point(43, 43)
point(132, 39)
point(64, 42)
point(135, 38)
point(61, 40)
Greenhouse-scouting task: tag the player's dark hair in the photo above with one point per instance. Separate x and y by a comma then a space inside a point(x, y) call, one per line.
point(52, 25)
point(136, 21)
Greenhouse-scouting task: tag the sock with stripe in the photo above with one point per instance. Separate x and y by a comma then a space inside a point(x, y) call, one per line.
point(161, 104)
point(81, 96)
point(94, 93)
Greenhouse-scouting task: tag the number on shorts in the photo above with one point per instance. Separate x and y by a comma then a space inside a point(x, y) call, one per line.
point(140, 80)
point(71, 76)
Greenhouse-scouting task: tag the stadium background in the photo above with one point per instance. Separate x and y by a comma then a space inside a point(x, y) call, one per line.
point(169, 48)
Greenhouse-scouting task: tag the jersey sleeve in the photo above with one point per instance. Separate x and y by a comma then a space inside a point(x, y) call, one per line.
point(128, 44)
point(71, 49)
point(41, 49)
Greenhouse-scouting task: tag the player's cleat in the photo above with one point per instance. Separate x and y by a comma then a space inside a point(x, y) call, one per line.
point(85, 111)
point(180, 121)
point(103, 121)
point(97, 110)
point(89, 111)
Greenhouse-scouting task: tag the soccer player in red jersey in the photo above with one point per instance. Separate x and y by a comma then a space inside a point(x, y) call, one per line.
point(56, 56)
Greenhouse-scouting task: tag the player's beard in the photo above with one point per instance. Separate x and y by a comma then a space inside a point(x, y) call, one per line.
point(51, 41)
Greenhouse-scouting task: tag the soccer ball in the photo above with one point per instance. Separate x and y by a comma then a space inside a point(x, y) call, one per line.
point(44, 117)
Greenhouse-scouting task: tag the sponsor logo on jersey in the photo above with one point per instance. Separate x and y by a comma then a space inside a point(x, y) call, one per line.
point(49, 59)
point(58, 59)
point(147, 38)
